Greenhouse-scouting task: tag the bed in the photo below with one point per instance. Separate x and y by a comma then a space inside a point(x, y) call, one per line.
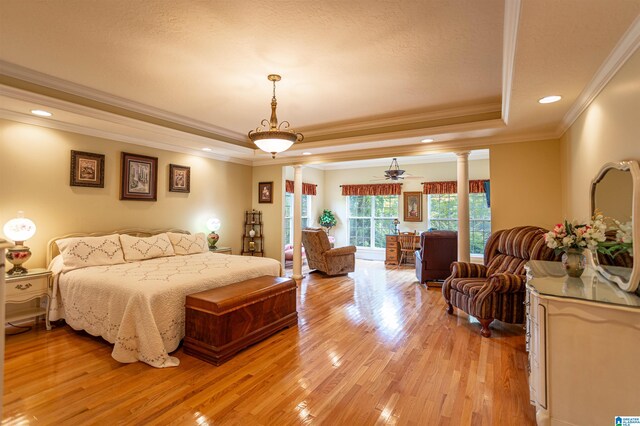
point(138, 306)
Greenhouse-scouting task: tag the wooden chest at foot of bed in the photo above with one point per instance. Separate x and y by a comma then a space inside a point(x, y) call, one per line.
point(222, 321)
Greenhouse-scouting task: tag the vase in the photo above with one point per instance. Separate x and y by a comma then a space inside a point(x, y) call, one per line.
point(574, 262)
point(252, 233)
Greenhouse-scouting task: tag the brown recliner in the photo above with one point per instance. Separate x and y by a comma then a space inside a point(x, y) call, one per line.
point(320, 255)
point(497, 291)
point(438, 249)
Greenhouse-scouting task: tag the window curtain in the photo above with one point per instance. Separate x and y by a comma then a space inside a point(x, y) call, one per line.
point(307, 188)
point(451, 187)
point(373, 189)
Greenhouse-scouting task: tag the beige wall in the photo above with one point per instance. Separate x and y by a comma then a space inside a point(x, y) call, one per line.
point(608, 130)
point(34, 177)
point(478, 169)
point(272, 213)
point(526, 184)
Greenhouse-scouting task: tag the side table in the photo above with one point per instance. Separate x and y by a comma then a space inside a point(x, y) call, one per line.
point(223, 250)
point(25, 287)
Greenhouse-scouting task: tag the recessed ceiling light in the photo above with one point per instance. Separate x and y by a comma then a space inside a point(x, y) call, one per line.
point(306, 153)
point(550, 99)
point(426, 140)
point(207, 149)
point(41, 113)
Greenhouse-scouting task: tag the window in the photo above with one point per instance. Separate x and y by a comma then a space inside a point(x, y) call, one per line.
point(443, 215)
point(371, 219)
point(288, 215)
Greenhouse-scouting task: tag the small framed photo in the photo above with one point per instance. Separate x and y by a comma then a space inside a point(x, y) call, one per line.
point(179, 178)
point(139, 177)
point(265, 192)
point(412, 206)
point(87, 169)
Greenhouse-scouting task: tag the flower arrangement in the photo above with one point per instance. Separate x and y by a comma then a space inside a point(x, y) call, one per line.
point(623, 241)
point(572, 235)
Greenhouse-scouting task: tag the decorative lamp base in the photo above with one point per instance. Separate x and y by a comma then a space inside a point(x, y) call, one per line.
point(17, 256)
point(212, 239)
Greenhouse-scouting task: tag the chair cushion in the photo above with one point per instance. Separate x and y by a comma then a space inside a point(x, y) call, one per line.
point(468, 286)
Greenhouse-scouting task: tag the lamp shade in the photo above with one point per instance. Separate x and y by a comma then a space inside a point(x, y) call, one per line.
point(213, 224)
point(19, 229)
point(274, 145)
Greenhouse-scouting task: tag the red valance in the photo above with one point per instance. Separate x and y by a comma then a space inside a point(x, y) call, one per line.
point(451, 187)
point(307, 188)
point(373, 189)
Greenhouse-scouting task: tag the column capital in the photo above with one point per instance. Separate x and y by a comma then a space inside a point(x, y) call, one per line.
point(462, 153)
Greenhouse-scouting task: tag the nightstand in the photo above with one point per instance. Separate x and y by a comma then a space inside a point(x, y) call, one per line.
point(23, 288)
point(223, 250)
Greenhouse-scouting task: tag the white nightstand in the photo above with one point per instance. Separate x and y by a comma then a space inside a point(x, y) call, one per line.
point(23, 288)
point(224, 250)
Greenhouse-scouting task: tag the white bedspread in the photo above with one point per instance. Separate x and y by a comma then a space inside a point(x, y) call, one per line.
point(139, 306)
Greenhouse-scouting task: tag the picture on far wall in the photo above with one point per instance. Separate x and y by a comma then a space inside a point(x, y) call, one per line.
point(265, 192)
point(87, 169)
point(412, 206)
point(139, 177)
point(179, 178)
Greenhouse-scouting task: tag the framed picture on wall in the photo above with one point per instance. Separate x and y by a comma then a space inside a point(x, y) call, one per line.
point(412, 206)
point(87, 169)
point(265, 192)
point(139, 177)
point(179, 178)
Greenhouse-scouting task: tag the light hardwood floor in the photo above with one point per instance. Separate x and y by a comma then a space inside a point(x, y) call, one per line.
point(370, 348)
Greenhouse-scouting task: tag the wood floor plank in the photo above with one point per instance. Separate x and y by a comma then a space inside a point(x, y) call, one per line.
point(373, 347)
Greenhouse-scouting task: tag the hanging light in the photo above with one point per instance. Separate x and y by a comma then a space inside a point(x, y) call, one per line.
point(394, 172)
point(274, 139)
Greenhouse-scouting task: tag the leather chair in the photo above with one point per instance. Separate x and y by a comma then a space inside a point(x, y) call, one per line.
point(320, 255)
point(497, 291)
point(438, 249)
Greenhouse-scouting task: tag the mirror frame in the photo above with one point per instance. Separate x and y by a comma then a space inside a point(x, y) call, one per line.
point(632, 167)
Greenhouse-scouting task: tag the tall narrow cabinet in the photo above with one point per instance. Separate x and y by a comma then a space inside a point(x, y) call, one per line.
point(252, 236)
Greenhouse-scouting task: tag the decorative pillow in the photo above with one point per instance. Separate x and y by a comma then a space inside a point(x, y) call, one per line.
point(90, 251)
point(188, 244)
point(135, 248)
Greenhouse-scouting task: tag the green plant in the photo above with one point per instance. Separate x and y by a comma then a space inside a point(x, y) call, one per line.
point(327, 219)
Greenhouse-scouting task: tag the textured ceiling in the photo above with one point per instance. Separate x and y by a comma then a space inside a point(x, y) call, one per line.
point(353, 72)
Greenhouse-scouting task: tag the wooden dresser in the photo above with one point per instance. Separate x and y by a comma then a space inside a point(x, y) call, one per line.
point(583, 339)
point(392, 252)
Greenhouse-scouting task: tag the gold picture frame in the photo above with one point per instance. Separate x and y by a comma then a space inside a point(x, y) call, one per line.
point(412, 201)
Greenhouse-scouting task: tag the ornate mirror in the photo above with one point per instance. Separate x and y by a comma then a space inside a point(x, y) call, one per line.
point(615, 192)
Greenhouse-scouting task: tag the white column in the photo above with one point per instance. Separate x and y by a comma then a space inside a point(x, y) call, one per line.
point(297, 222)
point(463, 206)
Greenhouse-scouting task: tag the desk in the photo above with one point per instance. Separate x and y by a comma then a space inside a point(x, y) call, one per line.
point(392, 253)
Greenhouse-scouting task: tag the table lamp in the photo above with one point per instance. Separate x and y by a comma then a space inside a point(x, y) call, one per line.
point(19, 230)
point(396, 222)
point(213, 225)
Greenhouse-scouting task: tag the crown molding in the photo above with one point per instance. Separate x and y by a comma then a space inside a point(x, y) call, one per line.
point(378, 123)
point(35, 77)
point(408, 150)
point(510, 39)
point(620, 54)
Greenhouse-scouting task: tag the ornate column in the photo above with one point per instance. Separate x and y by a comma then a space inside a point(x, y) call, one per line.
point(297, 222)
point(463, 206)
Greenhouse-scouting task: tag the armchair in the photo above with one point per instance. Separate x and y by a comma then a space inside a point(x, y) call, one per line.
point(437, 250)
point(497, 291)
point(320, 255)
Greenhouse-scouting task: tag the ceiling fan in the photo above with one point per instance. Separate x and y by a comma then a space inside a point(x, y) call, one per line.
point(395, 173)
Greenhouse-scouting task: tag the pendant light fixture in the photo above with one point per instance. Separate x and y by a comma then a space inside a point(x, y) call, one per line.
point(277, 137)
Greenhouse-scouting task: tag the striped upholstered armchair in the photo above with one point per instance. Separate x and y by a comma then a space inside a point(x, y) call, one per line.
point(497, 291)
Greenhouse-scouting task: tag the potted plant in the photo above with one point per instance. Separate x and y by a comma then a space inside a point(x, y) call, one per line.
point(327, 220)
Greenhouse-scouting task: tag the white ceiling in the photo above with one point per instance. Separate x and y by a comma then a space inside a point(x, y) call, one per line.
point(361, 79)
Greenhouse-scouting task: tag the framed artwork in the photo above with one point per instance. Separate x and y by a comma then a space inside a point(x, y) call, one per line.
point(179, 178)
point(87, 169)
point(412, 206)
point(265, 192)
point(139, 177)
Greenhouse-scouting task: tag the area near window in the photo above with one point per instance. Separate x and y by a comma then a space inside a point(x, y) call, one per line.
point(371, 219)
point(443, 215)
point(288, 215)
